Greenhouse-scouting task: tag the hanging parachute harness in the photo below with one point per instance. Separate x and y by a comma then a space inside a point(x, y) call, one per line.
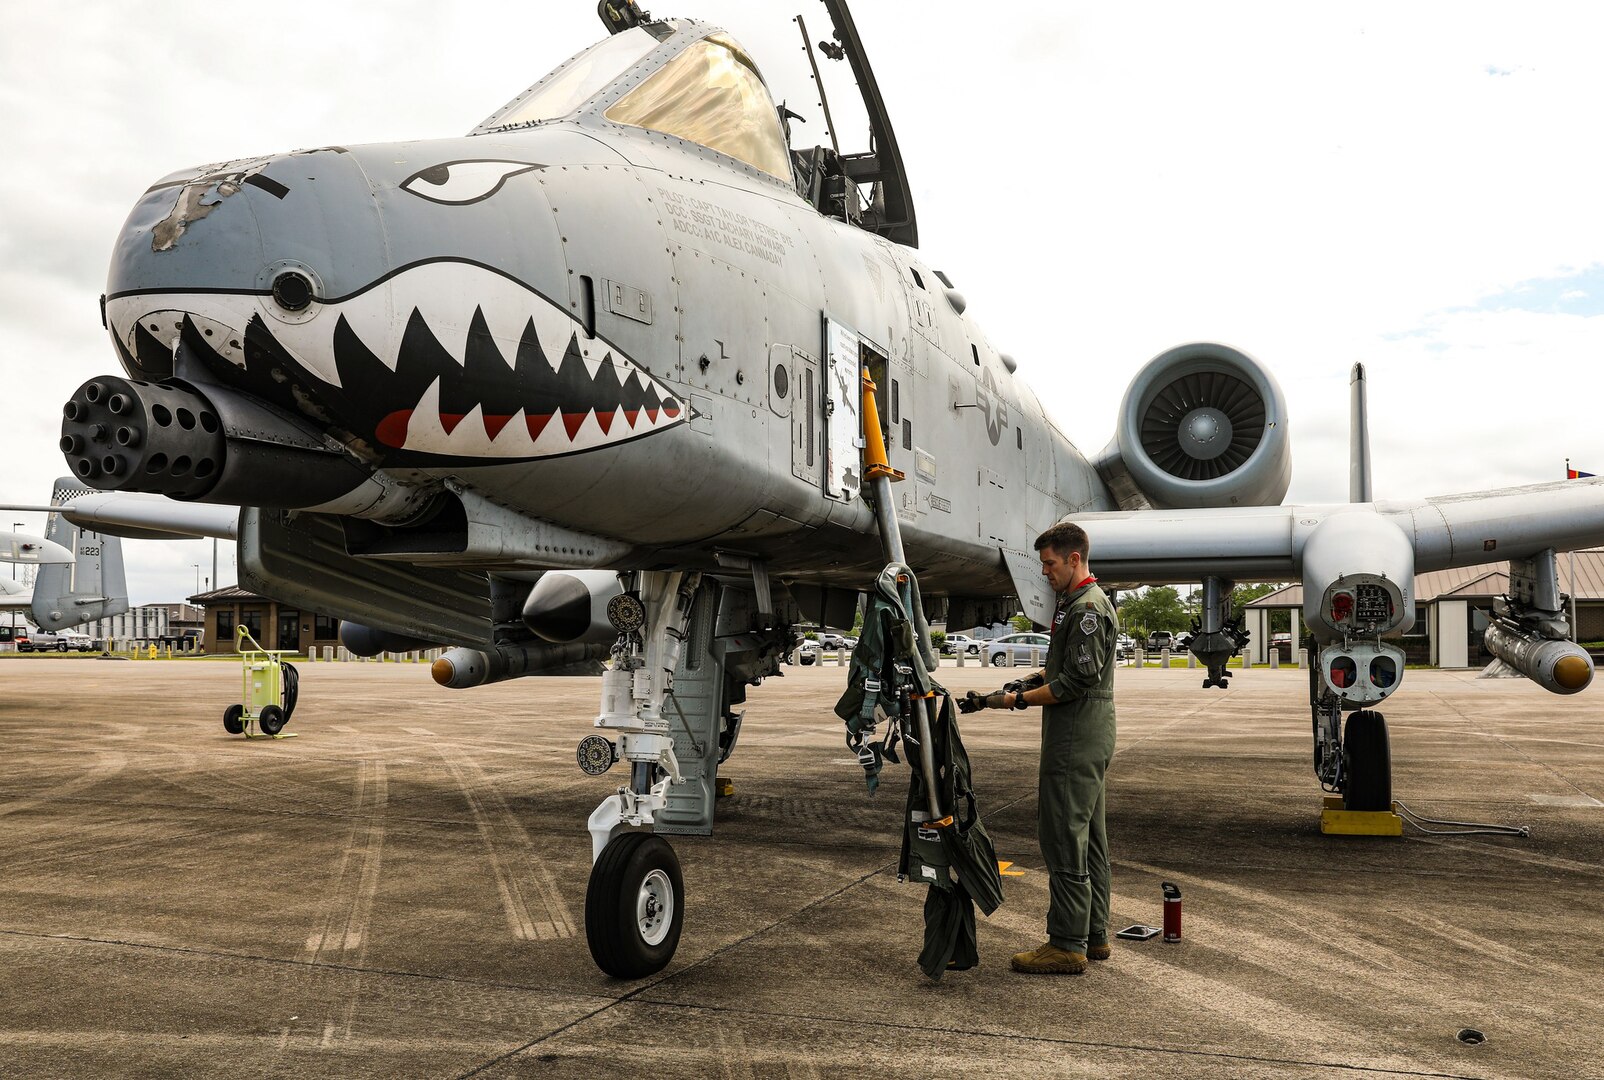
point(891, 698)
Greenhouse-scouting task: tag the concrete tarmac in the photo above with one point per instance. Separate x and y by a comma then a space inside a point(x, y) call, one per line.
point(399, 891)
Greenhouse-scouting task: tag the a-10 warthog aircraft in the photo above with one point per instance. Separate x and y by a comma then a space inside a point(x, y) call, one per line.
point(587, 384)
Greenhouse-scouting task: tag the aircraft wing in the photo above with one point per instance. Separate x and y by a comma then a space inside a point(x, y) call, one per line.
point(18, 547)
point(144, 517)
point(1266, 543)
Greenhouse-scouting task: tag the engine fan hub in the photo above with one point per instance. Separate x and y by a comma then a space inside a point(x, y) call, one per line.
point(1205, 433)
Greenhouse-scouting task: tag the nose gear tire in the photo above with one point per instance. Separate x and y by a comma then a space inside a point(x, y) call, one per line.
point(1367, 764)
point(635, 906)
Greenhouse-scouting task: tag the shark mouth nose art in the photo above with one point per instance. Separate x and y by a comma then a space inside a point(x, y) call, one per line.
point(445, 359)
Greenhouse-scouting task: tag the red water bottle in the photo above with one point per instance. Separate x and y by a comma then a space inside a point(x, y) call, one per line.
point(1172, 912)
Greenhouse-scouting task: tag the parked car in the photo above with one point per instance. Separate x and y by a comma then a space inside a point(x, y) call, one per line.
point(954, 642)
point(1124, 647)
point(831, 640)
point(1017, 649)
point(1160, 639)
point(808, 652)
point(78, 641)
point(40, 641)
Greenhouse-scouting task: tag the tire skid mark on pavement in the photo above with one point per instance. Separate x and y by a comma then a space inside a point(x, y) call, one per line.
point(1273, 1022)
point(344, 936)
point(1356, 952)
point(109, 764)
point(492, 818)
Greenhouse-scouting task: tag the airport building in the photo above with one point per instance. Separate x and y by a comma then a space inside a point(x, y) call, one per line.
point(148, 622)
point(1452, 608)
point(274, 625)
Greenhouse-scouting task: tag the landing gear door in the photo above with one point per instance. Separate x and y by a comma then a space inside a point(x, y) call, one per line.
point(843, 394)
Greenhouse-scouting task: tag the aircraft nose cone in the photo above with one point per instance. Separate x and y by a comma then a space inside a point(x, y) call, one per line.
point(1573, 673)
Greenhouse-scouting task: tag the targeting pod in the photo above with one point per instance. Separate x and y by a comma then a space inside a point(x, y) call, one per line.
point(1558, 666)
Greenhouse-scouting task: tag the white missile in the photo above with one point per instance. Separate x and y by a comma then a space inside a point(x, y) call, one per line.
point(1558, 666)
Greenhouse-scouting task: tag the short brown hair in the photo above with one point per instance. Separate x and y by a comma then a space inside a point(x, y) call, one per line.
point(1064, 538)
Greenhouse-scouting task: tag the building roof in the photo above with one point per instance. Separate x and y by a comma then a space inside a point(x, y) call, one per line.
point(228, 594)
point(1488, 579)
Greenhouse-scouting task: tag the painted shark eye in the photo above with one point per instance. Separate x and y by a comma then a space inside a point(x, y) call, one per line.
point(457, 183)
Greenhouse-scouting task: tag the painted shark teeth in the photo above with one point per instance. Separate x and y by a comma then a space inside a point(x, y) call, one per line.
point(428, 429)
point(444, 358)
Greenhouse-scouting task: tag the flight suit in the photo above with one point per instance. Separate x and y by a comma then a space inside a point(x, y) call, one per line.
point(1077, 743)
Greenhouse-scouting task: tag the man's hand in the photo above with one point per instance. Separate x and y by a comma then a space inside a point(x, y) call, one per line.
point(1029, 682)
point(973, 702)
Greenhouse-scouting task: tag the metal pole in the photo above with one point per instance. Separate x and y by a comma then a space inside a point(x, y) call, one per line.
point(17, 525)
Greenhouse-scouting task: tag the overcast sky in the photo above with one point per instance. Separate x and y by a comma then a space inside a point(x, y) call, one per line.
point(1415, 186)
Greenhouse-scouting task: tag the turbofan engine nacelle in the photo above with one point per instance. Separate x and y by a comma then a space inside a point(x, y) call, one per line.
point(1201, 425)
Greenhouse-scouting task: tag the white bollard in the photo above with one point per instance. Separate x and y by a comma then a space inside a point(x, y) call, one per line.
point(1247, 659)
point(1303, 659)
point(961, 654)
point(328, 654)
point(1191, 660)
point(1035, 656)
point(1275, 659)
point(345, 655)
point(1163, 658)
point(840, 657)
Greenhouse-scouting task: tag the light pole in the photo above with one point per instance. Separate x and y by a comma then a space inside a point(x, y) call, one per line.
point(197, 576)
point(18, 527)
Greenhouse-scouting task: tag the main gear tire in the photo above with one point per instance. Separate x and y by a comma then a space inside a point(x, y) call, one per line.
point(1367, 763)
point(233, 719)
point(635, 906)
point(270, 720)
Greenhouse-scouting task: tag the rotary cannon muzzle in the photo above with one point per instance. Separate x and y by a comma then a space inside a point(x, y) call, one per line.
point(199, 444)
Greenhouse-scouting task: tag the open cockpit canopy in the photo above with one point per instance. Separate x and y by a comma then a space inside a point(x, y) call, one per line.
point(674, 77)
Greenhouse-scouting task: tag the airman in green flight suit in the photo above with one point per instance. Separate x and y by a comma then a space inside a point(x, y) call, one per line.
point(1076, 693)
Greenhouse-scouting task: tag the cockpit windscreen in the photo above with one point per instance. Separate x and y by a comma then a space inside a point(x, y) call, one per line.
point(575, 84)
point(712, 95)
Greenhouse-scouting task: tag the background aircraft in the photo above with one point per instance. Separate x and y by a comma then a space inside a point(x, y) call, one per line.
point(79, 576)
point(621, 326)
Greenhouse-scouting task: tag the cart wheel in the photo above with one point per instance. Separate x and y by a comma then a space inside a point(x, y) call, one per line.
point(270, 720)
point(231, 719)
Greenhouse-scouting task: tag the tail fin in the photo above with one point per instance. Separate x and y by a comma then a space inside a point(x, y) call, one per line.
point(93, 586)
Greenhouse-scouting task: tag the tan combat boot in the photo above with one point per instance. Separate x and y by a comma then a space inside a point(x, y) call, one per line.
point(1099, 952)
point(1049, 959)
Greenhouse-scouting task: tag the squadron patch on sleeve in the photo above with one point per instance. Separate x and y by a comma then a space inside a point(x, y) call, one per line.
point(1085, 658)
point(1088, 622)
